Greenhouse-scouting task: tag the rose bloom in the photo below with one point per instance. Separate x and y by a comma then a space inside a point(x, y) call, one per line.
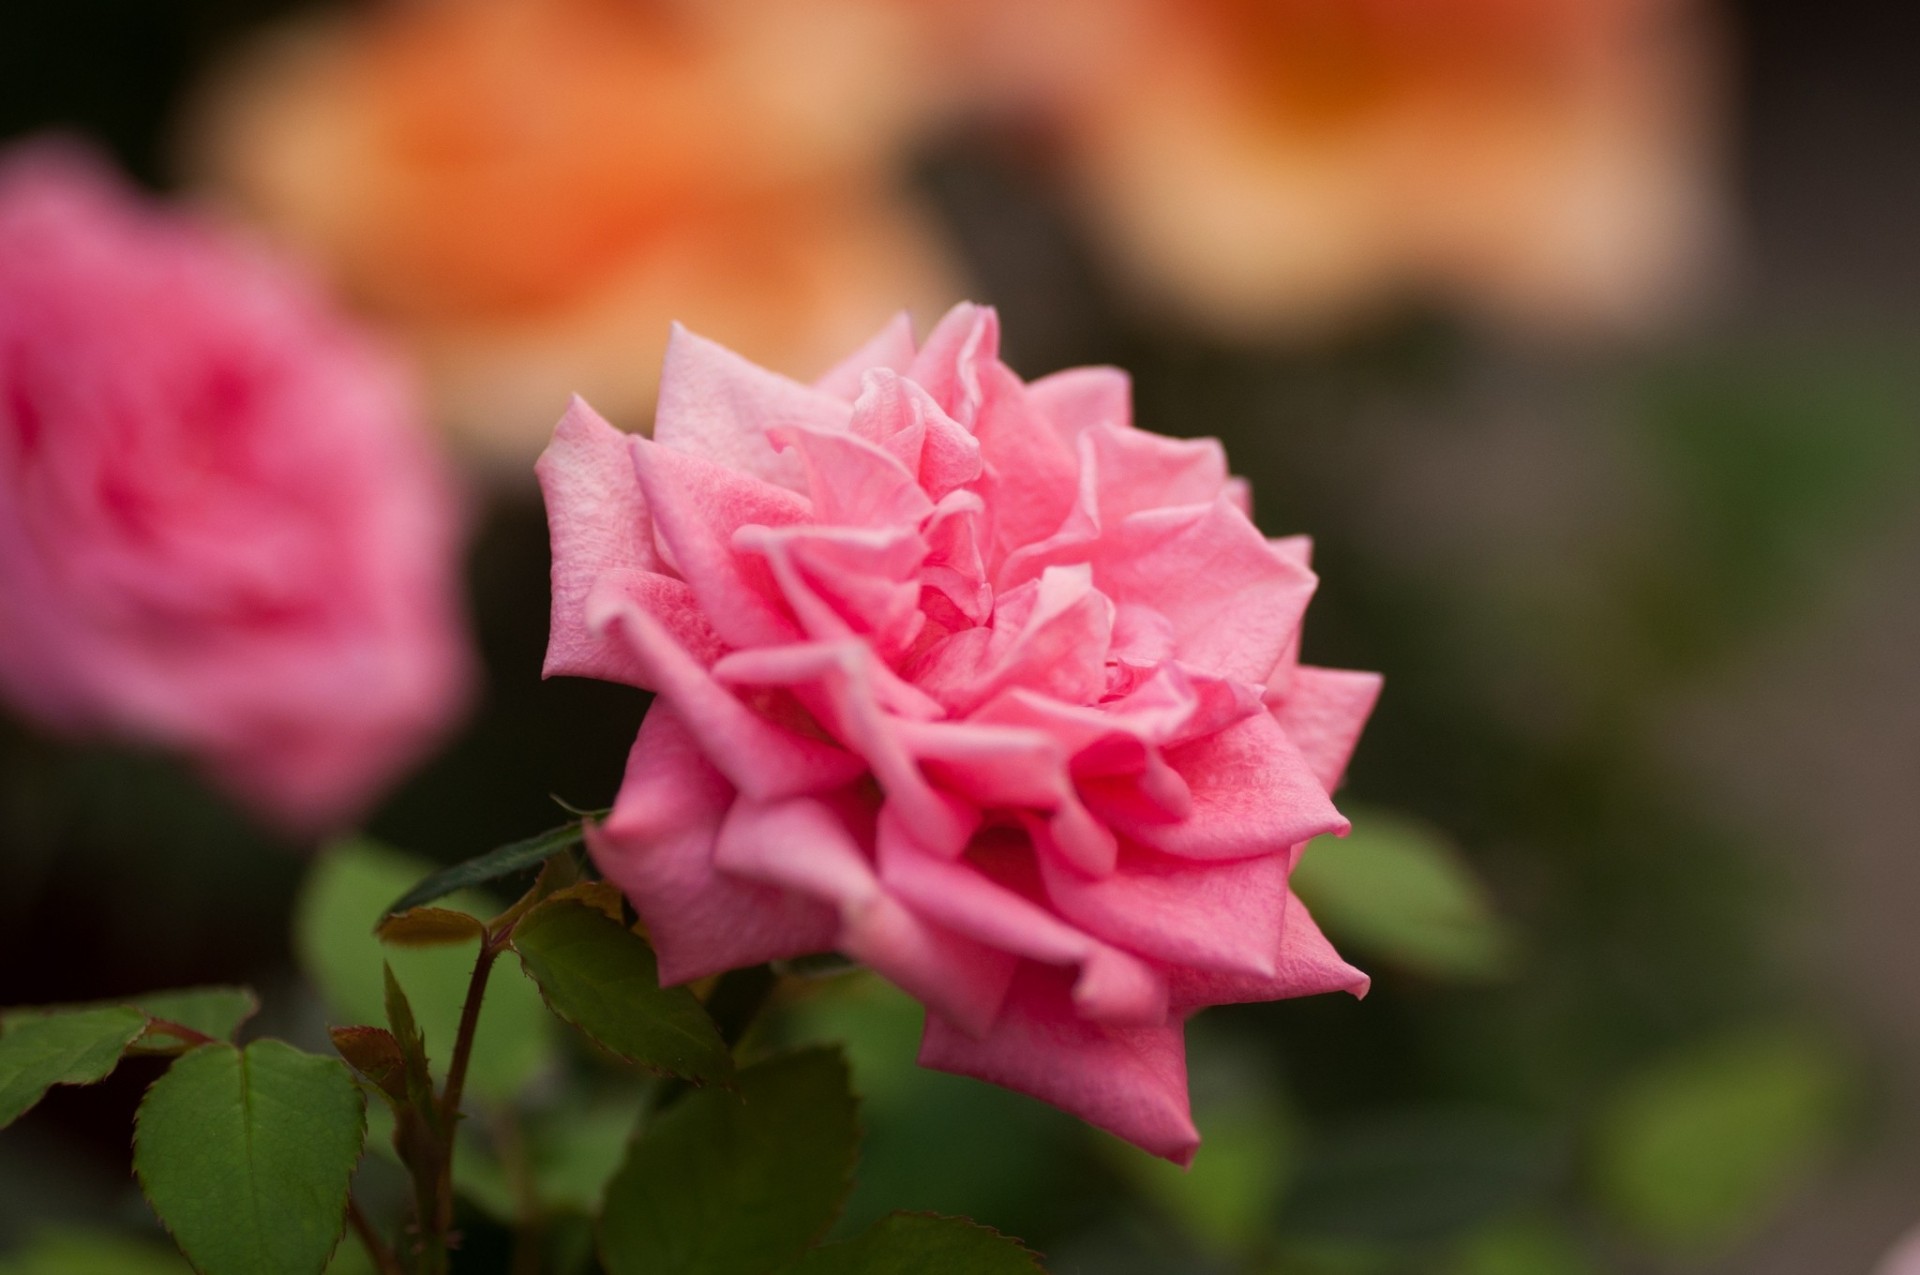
point(1276, 164)
point(529, 190)
point(969, 679)
point(1904, 1259)
point(222, 529)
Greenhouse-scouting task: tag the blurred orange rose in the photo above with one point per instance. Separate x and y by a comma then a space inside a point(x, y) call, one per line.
point(529, 191)
point(1275, 163)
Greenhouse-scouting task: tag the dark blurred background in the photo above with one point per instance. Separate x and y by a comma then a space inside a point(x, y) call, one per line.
point(1646, 602)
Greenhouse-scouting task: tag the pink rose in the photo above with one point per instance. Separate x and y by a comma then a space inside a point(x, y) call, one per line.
point(969, 679)
point(222, 529)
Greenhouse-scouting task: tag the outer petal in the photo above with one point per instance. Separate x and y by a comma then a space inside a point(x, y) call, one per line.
point(1130, 1081)
point(718, 406)
point(1305, 965)
point(1233, 602)
point(1080, 398)
point(1323, 712)
point(657, 846)
point(1216, 916)
point(599, 525)
point(1253, 794)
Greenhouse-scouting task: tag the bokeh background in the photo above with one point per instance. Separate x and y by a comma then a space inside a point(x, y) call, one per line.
point(1584, 338)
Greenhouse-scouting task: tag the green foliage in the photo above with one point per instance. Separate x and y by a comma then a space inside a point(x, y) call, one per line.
point(1695, 1152)
point(503, 861)
point(212, 1011)
point(921, 1244)
point(71, 1253)
point(1396, 889)
point(602, 977)
point(1530, 1246)
point(335, 943)
point(246, 1156)
point(40, 1049)
point(726, 1183)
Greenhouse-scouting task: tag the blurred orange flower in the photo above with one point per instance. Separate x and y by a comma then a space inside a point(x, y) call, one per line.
point(1274, 163)
point(529, 191)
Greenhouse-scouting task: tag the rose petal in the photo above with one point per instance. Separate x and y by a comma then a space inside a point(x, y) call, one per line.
point(1323, 712)
point(1130, 1081)
point(598, 521)
point(1253, 794)
point(657, 845)
point(718, 406)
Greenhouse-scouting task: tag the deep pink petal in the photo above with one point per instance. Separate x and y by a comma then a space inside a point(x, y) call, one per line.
point(1130, 1081)
point(1217, 916)
point(1253, 794)
point(1304, 965)
point(657, 846)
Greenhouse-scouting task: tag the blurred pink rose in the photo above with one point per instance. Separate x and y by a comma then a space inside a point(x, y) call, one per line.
point(1904, 1259)
point(221, 527)
point(969, 679)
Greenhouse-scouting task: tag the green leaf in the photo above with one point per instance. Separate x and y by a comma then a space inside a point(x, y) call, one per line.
point(1396, 889)
point(335, 943)
point(43, 1048)
point(1694, 1154)
point(601, 977)
point(212, 1011)
point(736, 1184)
point(503, 861)
point(375, 1054)
point(246, 1156)
point(430, 927)
point(76, 1253)
point(921, 1244)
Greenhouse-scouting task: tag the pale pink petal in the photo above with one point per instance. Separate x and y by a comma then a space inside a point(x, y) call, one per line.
point(598, 522)
point(853, 482)
point(949, 365)
point(900, 416)
point(1253, 794)
point(848, 685)
point(1080, 398)
point(762, 758)
point(1323, 713)
point(718, 406)
point(1233, 602)
point(1130, 1081)
point(891, 348)
point(697, 507)
point(657, 845)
